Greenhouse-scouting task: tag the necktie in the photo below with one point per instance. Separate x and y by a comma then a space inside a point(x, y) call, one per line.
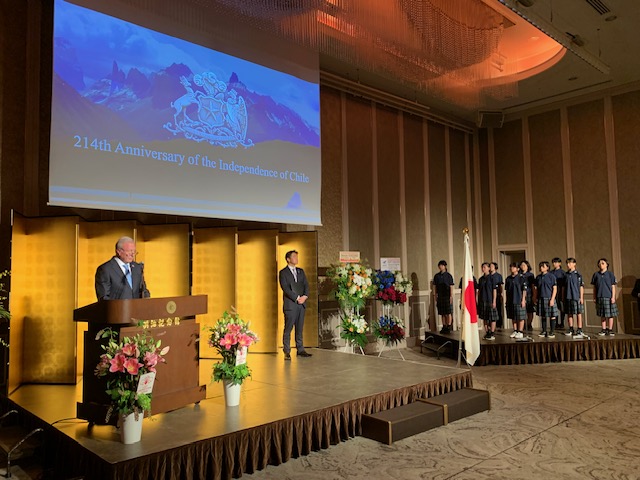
point(295, 274)
point(127, 274)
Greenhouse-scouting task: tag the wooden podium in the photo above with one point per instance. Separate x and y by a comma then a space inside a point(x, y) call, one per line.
point(166, 319)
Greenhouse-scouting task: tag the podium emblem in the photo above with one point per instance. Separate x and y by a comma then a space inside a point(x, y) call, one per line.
point(171, 307)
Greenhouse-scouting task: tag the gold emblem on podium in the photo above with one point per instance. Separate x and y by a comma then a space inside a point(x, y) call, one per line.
point(171, 307)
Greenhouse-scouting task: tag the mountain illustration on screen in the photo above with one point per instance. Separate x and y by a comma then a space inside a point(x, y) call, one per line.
point(144, 100)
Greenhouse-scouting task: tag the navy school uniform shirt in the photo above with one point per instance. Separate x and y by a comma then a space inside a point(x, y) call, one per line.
point(560, 279)
point(486, 287)
point(515, 287)
point(497, 280)
point(544, 284)
point(530, 281)
point(443, 282)
point(573, 282)
point(603, 281)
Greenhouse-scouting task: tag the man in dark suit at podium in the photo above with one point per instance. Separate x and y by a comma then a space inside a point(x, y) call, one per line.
point(121, 277)
point(295, 292)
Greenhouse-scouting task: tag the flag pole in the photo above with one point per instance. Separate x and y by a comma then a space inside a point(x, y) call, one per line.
point(468, 310)
point(465, 232)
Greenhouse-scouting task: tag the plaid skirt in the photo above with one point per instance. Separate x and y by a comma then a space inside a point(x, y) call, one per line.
point(546, 311)
point(531, 308)
point(573, 307)
point(444, 306)
point(487, 313)
point(606, 309)
point(516, 312)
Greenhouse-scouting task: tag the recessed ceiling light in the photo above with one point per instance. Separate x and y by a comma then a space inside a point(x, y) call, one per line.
point(573, 78)
point(534, 38)
point(610, 18)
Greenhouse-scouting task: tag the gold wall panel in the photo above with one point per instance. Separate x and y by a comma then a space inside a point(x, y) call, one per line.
point(626, 119)
point(96, 245)
point(164, 249)
point(437, 195)
point(359, 145)
point(388, 144)
point(547, 186)
point(306, 245)
point(43, 287)
point(509, 173)
point(414, 202)
point(214, 275)
point(330, 233)
point(485, 202)
point(459, 221)
point(591, 212)
point(257, 285)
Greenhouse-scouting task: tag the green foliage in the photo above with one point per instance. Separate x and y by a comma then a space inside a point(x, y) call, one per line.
point(235, 373)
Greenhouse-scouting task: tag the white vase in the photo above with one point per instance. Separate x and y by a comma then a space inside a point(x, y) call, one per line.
point(231, 393)
point(130, 428)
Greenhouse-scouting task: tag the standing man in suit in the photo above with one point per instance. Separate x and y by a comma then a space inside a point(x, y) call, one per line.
point(121, 277)
point(295, 292)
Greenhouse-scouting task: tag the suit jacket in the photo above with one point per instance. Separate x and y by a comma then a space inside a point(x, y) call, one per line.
point(636, 291)
point(291, 289)
point(111, 283)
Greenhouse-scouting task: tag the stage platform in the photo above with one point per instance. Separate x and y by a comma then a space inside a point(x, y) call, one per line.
point(507, 351)
point(287, 410)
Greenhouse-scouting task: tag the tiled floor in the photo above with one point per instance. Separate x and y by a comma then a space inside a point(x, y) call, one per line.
point(577, 420)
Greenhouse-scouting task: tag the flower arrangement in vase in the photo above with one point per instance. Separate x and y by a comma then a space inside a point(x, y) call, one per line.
point(129, 367)
point(231, 337)
point(353, 284)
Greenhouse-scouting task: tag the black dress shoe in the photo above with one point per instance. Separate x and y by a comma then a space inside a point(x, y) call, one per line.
point(287, 356)
point(304, 354)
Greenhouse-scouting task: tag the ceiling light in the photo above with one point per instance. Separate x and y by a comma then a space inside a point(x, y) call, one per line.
point(552, 31)
point(526, 3)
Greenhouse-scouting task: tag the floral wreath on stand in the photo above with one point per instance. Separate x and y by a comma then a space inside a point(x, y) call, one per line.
point(354, 284)
point(389, 328)
point(393, 289)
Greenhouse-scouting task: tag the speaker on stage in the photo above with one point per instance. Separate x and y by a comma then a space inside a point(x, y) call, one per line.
point(489, 119)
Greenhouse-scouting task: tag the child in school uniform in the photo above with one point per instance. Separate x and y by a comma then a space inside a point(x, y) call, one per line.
point(573, 298)
point(487, 294)
point(516, 290)
point(604, 294)
point(443, 295)
point(560, 282)
point(545, 297)
point(525, 270)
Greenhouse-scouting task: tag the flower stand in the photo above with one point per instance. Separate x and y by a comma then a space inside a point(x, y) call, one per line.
point(130, 428)
point(231, 393)
point(350, 347)
point(390, 346)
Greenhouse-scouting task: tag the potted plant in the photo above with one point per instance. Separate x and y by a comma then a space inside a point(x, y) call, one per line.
point(129, 366)
point(231, 337)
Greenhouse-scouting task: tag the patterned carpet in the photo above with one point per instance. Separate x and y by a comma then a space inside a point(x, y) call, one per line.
point(577, 420)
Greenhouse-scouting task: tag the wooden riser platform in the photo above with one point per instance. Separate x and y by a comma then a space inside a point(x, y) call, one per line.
point(507, 351)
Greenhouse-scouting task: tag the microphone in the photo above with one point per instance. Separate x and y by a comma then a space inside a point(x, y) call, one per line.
point(143, 284)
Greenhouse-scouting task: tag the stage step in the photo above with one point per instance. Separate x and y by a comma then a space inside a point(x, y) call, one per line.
point(461, 403)
point(397, 423)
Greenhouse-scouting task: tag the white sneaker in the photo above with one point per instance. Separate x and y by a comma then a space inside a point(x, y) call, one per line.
point(518, 335)
point(514, 335)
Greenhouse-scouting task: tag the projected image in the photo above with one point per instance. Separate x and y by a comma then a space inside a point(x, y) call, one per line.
point(142, 121)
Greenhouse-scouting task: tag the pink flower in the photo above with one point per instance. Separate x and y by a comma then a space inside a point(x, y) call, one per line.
point(245, 340)
point(132, 366)
point(228, 341)
point(117, 363)
point(151, 360)
point(130, 350)
point(234, 329)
